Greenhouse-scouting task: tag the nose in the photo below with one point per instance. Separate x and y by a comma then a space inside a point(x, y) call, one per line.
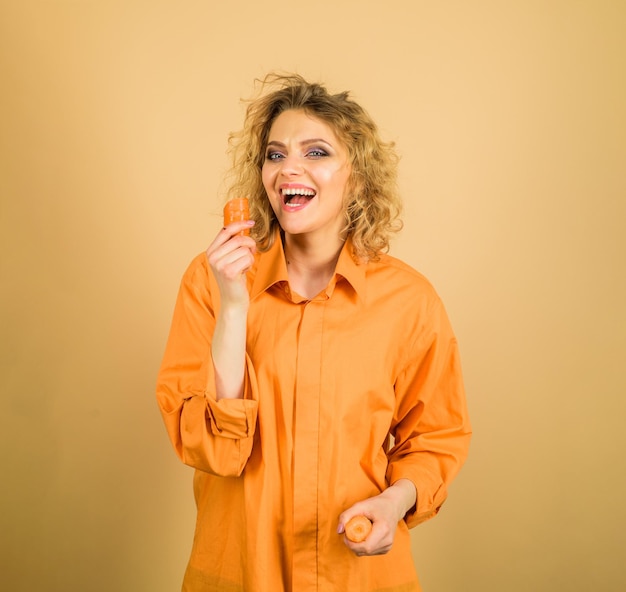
point(291, 165)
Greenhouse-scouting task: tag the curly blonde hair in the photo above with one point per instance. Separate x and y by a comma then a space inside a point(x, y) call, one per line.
point(372, 203)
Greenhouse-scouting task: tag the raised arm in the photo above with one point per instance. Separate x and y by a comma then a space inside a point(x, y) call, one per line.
point(209, 406)
point(230, 255)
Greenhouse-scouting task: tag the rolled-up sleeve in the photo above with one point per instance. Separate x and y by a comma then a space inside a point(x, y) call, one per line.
point(210, 435)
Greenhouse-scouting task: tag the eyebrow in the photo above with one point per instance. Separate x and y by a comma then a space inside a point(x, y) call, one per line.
point(302, 143)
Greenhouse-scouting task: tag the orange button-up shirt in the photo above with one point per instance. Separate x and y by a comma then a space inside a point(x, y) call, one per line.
point(344, 394)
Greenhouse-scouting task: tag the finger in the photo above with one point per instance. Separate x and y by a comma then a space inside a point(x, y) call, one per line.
point(219, 249)
point(233, 263)
point(381, 551)
point(357, 509)
point(239, 227)
point(369, 549)
point(226, 233)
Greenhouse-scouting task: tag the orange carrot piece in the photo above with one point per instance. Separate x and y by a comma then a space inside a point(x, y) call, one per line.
point(358, 529)
point(237, 210)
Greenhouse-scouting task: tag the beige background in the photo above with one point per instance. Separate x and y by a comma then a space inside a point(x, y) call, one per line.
point(511, 121)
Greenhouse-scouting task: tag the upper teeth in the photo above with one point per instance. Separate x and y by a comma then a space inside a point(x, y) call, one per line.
point(298, 191)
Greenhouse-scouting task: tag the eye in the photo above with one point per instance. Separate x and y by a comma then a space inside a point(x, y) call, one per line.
point(316, 153)
point(273, 155)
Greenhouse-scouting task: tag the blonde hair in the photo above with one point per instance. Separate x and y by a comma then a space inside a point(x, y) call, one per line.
point(372, 202)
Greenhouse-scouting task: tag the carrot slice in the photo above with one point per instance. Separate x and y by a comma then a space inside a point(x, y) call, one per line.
point(358, 528)
point(237, 210)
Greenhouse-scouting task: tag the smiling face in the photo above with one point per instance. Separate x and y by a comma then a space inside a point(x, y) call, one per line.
point(305, 174)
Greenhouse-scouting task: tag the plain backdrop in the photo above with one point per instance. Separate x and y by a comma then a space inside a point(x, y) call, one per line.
point(510, 118)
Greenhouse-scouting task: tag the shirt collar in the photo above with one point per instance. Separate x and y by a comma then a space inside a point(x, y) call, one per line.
point(271, 269)
point(350, 270)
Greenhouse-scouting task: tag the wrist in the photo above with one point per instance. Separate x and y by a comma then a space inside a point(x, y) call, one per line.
point(234, 311)
point(403, 494)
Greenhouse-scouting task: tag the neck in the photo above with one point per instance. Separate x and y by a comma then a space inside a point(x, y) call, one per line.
point(310, 266)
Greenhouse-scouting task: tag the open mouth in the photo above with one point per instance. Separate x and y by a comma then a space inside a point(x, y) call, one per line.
point(297, 196)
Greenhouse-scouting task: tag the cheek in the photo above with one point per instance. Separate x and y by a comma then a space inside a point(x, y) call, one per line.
point(339, 179)
point(333, 176)
point(265, 178)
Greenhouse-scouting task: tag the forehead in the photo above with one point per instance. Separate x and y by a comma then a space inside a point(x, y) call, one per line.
point(300, 125)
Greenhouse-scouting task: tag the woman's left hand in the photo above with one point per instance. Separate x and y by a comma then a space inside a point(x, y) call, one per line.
point(384, 511)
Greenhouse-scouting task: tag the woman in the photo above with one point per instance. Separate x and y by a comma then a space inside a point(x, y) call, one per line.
point(309, 377)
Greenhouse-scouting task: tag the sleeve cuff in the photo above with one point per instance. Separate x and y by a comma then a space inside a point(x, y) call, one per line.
point(431, 494)
point(232, 418)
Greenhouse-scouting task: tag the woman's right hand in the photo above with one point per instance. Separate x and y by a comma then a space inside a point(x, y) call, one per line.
point(230, 255)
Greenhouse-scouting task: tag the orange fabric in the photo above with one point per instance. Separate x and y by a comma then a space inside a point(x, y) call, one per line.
point(344, 395)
